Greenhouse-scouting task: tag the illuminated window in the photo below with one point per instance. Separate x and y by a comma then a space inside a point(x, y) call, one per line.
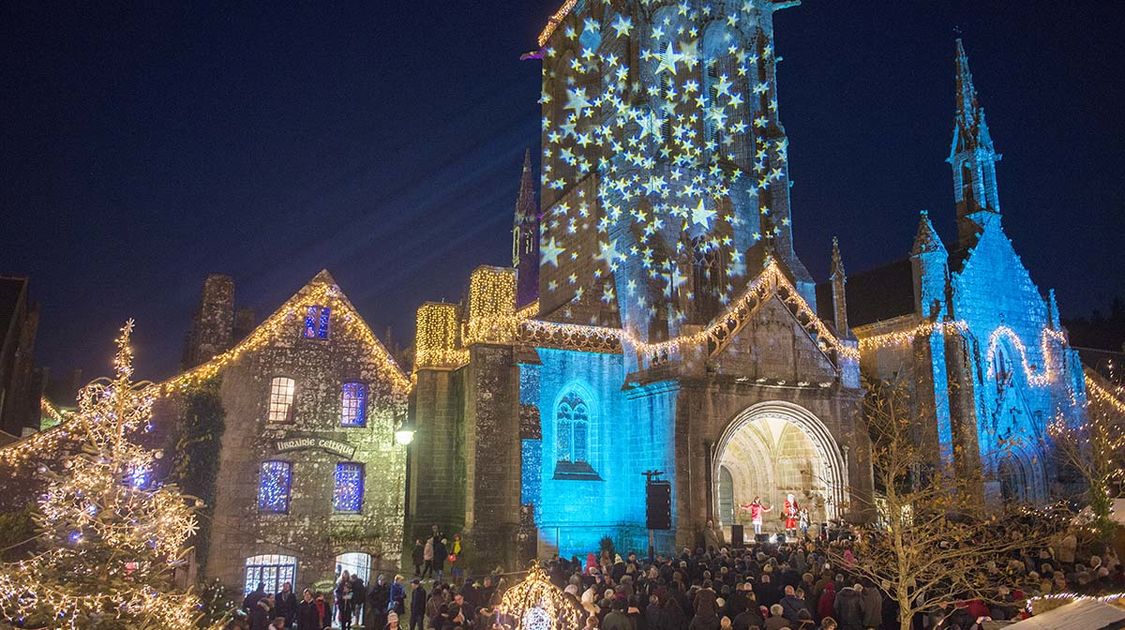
point(348, 496)
point(282, 392)
point(270, 570)
point(354, 405)
point(316, 322)
point(274, 481)
point(572, 438)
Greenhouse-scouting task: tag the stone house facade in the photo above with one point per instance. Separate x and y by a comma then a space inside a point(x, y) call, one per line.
point(309, 478)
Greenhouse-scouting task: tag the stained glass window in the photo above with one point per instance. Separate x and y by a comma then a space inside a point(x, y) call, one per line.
point(274, 481)
point(349, 487)
point(282, 392)
point(316, 322)
point(354, 405)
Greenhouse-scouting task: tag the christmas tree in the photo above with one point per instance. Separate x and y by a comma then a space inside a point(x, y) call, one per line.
point(110, 537)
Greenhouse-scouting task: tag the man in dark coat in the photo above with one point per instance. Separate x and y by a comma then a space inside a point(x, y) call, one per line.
point(849, 608)
point(792, 605)
point(260, 616)
point(359, 598)
point(417, 605)
point(378, 602)
point(285, 603)
point(252, 598)
point(419, 557)
point(440, 551)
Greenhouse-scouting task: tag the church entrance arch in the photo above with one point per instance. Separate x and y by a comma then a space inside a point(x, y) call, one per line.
point(772, 449)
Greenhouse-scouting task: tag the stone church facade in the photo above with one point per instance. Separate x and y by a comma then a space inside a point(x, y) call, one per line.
point(675, 329)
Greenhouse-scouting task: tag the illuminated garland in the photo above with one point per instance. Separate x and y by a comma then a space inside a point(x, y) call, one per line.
point(536, 604)
point(1038, 380)
point(555, 20)
point(287, 322)
point(112, 541)
point(1073, 597)
point(961, 327)
point(1104, 395)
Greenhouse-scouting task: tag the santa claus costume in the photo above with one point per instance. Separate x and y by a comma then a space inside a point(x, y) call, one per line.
point(792, 512)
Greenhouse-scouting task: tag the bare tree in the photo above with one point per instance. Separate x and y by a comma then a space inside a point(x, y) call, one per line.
point(935, 542)
point(1095, 448)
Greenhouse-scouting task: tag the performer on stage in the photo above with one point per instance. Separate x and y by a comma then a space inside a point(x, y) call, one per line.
point(792, 510)
point(756, 510)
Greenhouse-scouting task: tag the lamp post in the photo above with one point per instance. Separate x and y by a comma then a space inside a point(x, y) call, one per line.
point(404, 434)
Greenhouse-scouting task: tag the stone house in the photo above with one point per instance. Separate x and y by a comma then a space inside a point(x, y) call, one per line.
point(309, 479)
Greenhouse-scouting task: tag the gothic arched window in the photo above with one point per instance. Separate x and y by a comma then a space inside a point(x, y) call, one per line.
point(573, 443)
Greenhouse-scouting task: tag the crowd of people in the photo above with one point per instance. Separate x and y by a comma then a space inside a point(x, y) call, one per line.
point(763, 586)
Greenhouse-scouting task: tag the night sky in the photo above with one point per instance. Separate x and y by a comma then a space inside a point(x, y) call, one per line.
point(142, 148)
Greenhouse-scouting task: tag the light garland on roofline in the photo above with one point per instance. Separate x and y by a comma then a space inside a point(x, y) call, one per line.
point(1073, 597)
point(555, 20)
point(1104, 395)
point(286, 322)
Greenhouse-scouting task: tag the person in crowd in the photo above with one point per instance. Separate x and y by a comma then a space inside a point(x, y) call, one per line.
point(286, 603)
point(398, 596)
point(307, 614)
point(456, 549)
point(417, 605)
point(418, 557)
point(392, 620)
point(776, 620)
point(378, 603)
point(277, 624)
point(345, 605)
point(428, 558)
point(261, 615)
point(440, 553)
point(252, 597)
point(359, 600)
point(849, 608)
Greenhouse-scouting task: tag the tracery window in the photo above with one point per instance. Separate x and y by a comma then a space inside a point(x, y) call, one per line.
point(271, 570)
point(353, 405)
point(283, 391)
point(573, 438)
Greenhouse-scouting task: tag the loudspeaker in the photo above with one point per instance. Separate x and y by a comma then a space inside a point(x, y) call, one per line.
point(736, 534)
point(658, 501)
point(762, 538)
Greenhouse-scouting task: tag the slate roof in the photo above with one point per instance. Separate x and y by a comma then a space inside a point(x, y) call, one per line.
point(873, 295)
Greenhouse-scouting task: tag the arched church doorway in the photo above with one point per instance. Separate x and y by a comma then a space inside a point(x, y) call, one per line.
point(773, 449)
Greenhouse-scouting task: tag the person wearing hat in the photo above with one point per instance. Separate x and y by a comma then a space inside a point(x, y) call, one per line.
point(417, 604)
point(392, 620)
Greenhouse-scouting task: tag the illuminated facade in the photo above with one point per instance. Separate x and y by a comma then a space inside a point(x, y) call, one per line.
point(968, 327)
point(675, 328)
point(308, 476)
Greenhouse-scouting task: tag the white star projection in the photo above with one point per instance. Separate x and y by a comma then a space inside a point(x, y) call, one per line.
point(673, 141)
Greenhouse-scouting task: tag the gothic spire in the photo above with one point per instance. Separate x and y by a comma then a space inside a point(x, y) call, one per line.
point(526, 209)
point(926, 240)
point(972, 157)
point(839, 294)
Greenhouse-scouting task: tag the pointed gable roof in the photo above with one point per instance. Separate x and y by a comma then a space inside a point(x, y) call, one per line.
point(322, 290)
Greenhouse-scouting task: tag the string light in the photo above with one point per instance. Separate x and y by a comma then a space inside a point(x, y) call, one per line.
point(492, 306)
point(1115, 598)
point(288, 321)
point(1004, 332)
point(435, 341)
point(536, 604)
point(1104, 395)
point(555, 20)
point(112, 543)
point(877, 342)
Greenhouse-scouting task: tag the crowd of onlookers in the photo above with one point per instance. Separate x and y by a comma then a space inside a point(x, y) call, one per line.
point(767, 586)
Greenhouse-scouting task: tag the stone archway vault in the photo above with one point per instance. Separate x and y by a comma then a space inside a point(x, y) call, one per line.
point(781, 446)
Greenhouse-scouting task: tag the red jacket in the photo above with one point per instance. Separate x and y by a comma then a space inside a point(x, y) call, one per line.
point(824, 607)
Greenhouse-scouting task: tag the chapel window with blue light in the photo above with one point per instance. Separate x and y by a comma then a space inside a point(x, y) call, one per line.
point(316, 322)
point(353, 405)
point(348, 495)
point(274, 482)
point(572, 439)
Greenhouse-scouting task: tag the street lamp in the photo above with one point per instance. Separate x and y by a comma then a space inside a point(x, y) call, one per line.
point(404, 434)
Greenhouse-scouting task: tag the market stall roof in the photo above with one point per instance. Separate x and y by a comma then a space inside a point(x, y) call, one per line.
point(1084, 614)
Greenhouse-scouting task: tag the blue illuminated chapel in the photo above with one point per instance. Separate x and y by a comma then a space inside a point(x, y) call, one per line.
point(657, 317)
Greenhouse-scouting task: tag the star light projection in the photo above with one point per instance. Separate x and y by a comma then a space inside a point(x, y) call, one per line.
point(684, 143)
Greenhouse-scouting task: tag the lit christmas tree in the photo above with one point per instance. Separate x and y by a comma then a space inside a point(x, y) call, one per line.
point(111, 538)
point(539, 605)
